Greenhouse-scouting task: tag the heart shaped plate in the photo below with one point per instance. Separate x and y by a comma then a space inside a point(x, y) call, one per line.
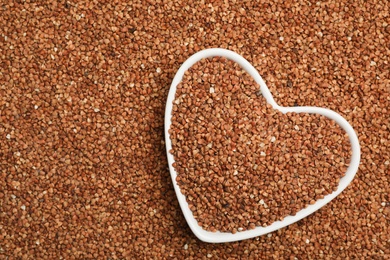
point(221, 237)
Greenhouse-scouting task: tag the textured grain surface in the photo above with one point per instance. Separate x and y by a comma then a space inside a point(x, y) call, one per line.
point(239, 162)
point(83, 85)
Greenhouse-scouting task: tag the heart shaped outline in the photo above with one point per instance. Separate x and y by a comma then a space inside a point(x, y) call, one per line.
point(221, 237)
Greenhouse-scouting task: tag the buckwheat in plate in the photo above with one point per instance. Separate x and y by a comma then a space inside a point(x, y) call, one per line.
point(242, 166)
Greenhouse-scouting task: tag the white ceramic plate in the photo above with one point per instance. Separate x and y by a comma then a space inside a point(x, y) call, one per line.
point(220, 237)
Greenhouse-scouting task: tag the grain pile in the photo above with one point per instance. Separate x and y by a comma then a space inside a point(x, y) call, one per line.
point(242, 164)
point(83, 85)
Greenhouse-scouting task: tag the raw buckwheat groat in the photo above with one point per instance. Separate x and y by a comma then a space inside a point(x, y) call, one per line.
point(242, 164)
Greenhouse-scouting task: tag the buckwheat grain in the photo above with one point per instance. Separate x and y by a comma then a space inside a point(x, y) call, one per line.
point(242, 164)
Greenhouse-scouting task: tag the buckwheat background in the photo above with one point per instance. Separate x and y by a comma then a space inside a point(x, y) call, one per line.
point(83, 85)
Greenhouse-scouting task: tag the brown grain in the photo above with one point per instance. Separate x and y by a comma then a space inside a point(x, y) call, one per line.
point(242, 164)
point(83, 170)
